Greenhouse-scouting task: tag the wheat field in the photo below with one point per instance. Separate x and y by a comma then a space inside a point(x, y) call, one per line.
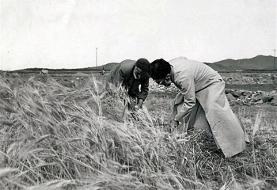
point(56, 137)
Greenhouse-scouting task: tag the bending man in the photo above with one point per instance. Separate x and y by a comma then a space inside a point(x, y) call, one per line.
point(134, 77)
point(201, 102)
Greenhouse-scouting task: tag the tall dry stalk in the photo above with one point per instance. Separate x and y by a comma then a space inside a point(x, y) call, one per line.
point(255, 128)
point(61, 137)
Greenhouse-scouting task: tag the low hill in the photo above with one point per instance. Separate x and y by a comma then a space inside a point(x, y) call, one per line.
point(106, 67)
point(259, 62)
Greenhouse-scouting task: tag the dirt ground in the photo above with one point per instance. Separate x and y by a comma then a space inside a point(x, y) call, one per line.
point(160, 106)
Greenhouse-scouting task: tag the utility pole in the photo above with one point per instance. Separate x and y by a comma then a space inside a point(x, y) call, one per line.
point(96, 56)
point(274, 59)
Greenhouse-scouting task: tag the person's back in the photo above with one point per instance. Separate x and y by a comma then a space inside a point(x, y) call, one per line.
point(121, 72)
point(187, 70)
point(201, 102)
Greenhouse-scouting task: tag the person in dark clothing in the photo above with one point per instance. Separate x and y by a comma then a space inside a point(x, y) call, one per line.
point(134, 77)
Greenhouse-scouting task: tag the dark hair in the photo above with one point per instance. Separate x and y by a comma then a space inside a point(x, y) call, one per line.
point(143, 64)
point(159, 69)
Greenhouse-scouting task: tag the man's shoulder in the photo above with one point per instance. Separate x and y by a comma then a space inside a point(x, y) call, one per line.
point(180, 58)
point(183, 62)
point(127, 65)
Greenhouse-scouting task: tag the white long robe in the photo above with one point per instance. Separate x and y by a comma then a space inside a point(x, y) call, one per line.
point(202, 103)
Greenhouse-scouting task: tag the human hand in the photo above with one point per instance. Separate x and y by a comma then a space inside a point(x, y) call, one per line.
point(174, 124)
point(136, 107)
point(139, 105)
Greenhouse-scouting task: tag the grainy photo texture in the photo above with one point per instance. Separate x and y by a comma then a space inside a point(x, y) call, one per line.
point(138, 94)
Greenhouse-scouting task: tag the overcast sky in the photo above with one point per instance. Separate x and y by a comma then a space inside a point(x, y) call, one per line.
point(65, 33)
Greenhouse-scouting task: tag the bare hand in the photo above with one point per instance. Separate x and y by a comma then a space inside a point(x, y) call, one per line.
point(140, 102)
point(136, 107)
point(174, 124)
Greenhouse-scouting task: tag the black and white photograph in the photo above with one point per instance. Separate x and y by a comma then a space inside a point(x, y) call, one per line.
point(138, 94)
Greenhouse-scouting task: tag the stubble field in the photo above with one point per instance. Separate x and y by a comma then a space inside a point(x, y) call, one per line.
point(66, 133)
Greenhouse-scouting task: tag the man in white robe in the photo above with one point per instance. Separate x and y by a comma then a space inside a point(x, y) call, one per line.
point(201, 102)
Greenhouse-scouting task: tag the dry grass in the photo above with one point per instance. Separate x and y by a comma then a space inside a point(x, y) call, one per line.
point(56, 137)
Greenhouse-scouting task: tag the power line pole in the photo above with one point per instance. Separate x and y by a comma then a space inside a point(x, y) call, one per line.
point(274, 59)
point(96, 56)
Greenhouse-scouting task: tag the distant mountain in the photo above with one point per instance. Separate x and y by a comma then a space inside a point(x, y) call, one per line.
point(259, 62)
point(106, 67)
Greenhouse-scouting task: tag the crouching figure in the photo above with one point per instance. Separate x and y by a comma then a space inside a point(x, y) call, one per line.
point(134, 78)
